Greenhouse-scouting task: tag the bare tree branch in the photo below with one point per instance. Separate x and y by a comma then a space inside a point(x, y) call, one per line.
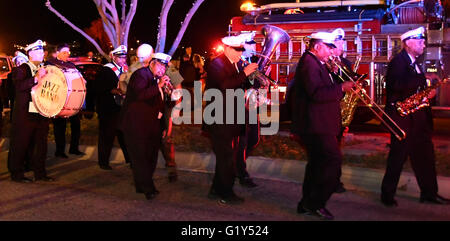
point(124, 8)
point(65, 20)
point(129, 20)
point(116, 23)
point(107, 25)
point(162, 32)
point(184, 25)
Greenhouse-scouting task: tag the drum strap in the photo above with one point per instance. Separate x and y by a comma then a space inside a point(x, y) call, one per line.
point(33, 67)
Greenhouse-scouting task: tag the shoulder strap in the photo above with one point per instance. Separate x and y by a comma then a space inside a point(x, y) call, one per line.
point(114, 68)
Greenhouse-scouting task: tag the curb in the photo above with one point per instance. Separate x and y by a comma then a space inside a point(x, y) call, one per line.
point(354, 178)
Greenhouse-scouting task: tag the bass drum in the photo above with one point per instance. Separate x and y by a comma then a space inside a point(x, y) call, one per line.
point(60, 93)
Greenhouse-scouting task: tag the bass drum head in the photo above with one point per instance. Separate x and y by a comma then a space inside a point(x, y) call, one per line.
point(76, 93)
point(50, 94)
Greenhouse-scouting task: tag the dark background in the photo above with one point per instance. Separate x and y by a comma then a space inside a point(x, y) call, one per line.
point(24, 21)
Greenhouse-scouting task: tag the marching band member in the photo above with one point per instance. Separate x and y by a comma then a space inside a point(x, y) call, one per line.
point(108, 109)
point(18, 60)
point(338, 53)
point(223, 74)
point(403, 78)
point(250, 138)
point(142, 123)
point(29, 129)
point(144, 54)
point(59, 123)
point(316, 119)
point(168, 146)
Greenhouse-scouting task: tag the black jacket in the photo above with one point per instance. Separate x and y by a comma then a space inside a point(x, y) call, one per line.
point(223, 75)
point(189, 73)
point(316, 107)
point(402, 81)
point(142, 105)
point(23, 82)
point(106, 81)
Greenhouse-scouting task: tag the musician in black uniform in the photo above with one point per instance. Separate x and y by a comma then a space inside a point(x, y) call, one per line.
point(18, 60)
point(223, 74)
point(404, 78)
point(29, 129)
point(142, 121)
point(107, 91)
point(338, 54)
point(59, 123)
point(249, 139)
point(316, 119)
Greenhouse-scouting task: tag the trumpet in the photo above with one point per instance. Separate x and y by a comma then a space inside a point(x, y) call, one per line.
point(169, 93)
point(365, 98)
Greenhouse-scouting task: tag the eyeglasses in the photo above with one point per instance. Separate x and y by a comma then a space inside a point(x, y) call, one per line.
point(239, 49)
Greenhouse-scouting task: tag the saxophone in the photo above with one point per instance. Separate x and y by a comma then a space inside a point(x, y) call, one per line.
point(417, 101)
point(350, 100)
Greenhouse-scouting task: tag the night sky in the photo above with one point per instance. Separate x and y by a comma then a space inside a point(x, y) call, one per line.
point(24, 21)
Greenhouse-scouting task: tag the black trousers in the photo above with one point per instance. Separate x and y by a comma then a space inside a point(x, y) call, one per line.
point(28, 140)
point(225, 147)
point(168, 151)
point(167, 144)
point(322, 170)
point(418, 146)
point(247, 143)
point(59, 129)
point(108, 130)
point(143, 153)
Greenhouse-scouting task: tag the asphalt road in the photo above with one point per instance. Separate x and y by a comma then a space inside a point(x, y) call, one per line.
point(85, 192)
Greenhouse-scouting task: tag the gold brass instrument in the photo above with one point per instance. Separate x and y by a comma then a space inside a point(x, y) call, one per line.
point(365, 98)
point(274, 36)
point(356, 65)
point(169, 93)
point(350, 100)
point(417, 101)
point(264, 80)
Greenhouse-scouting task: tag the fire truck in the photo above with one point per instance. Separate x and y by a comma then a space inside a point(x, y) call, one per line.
point(372, 31)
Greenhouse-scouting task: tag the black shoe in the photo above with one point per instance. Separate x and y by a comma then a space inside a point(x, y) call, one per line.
point(151, 195)
point(61, 154)
point(173, 177)
point(45, 179)
point(340, 189)
point(247, 182)
point(77, 152)
point(22, 180)
point(231, 200)
point(435, 200)
point(213, 194)
point(322, 213)
point(106, 167)
point(389, 202)
point(301, 209)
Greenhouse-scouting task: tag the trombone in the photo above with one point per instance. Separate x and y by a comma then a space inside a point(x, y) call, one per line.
point(365, 98)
